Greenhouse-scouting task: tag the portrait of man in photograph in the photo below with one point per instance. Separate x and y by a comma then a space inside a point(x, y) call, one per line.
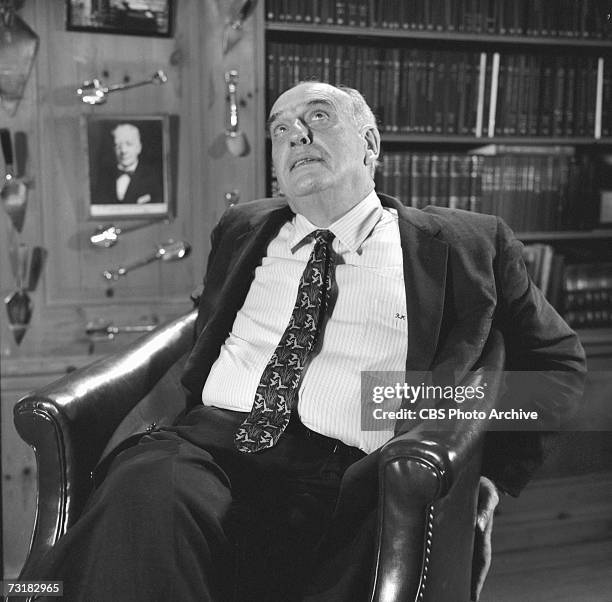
point(131, 172)
point(128, 165)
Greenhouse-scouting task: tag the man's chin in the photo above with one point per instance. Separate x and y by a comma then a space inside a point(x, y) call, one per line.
point(305, 187)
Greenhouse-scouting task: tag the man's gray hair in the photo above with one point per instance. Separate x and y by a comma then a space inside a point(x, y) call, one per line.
point(362, 113)
point(361, 110)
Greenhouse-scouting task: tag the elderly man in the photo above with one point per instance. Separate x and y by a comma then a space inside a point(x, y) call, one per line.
point(130, 180)
point(302, 294)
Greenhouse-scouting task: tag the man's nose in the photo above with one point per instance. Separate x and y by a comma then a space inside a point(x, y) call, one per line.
point(300, 134)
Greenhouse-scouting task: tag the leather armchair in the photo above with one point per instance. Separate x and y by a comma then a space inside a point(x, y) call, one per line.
point(427, 479)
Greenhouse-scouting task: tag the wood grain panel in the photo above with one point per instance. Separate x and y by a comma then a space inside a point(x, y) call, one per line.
point(73, 291)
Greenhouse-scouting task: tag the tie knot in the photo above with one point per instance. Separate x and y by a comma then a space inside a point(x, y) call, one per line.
point(323, 236)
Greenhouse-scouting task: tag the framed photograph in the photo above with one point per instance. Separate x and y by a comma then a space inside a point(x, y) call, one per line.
point(128, 159)
point(128, 17)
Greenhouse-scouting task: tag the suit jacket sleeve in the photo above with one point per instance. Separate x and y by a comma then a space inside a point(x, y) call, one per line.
point(539, 341)
point(205, 303)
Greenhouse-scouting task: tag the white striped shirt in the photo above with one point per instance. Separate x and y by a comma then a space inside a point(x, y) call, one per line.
point(367, 329)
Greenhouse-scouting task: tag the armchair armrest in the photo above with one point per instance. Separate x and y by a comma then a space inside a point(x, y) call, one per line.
point(427, 501)
point(69, 423)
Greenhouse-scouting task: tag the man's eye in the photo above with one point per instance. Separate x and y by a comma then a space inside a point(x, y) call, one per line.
point(318, 115)
point(279, 130)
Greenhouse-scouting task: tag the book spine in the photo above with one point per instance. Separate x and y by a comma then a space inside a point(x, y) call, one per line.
point(438, 180)
point(546, 103)
point(599, 98)
point(440, 92)
point(606, 103)
point(430, 96)
point(420, 180)
point(533, 70)
point(455, 96)
point(394, 66)
point(591, 95)
point(493, 96)
point(480, 101)
point(568, 124)
point(558, 100)
point(454, 182)
point(475, 201)
point(464, 165)
point(405, 91)
point(397, 176)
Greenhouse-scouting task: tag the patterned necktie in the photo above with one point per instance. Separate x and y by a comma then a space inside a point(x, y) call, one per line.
point(277, 392)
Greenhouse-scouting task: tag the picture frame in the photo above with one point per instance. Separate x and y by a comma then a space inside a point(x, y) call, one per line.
point(125, 17)
point(129, 166)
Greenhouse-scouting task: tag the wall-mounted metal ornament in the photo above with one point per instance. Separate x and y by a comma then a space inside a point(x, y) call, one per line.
point(169, 251)
point(235, 139)
point(19, 310)
point(18, 48)
point(94, 92)
point(27, 265)
point(107, 235)
point(35, 268)
point(18, 304)
point(14, 193)
point(107, 330)
point(232, 197)
point(239, 12)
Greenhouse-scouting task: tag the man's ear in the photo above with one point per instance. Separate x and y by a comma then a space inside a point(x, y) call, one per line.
point(371, 137)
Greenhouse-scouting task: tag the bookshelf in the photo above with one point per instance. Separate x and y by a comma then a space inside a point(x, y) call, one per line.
point(500, 107)
point(480, 39)
point(582, 19)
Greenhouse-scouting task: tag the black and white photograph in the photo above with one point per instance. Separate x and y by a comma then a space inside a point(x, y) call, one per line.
point(128, 17)
point(320, 311)
point(128, 166)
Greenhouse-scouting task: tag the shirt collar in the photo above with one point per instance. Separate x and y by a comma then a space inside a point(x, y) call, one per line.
point(351, 229)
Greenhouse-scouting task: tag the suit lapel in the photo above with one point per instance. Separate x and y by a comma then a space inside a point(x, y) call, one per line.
point(250, 248)
point(425, 264)
point(133, 185)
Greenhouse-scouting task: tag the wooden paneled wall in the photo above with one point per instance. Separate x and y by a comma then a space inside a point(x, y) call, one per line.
point(73, 290)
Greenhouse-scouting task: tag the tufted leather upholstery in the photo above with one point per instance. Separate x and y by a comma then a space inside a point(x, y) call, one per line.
point(427, 479)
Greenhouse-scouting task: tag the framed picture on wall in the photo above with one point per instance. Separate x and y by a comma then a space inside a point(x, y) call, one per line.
point(128, 158)
point(128, 17)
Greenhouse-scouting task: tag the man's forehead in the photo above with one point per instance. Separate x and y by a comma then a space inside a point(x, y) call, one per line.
point(307, 94)
point(126, 131)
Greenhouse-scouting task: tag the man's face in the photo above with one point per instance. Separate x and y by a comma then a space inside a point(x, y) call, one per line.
point(316, 144)
point(127, 145)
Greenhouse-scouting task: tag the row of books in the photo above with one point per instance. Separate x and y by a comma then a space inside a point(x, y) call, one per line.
point(544, 192)
point(417, 90)
point(558, 18)
point(581, 292)
point(588, 294)
point(409, 90)
point(547, 95)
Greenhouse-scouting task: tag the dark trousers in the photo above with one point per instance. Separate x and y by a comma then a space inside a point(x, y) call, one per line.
point(184, 516)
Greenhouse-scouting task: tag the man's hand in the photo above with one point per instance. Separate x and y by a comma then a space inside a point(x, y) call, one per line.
point(488, 498)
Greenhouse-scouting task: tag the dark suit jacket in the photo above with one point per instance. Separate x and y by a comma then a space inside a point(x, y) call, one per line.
point(463, 273)
point(146, 186)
